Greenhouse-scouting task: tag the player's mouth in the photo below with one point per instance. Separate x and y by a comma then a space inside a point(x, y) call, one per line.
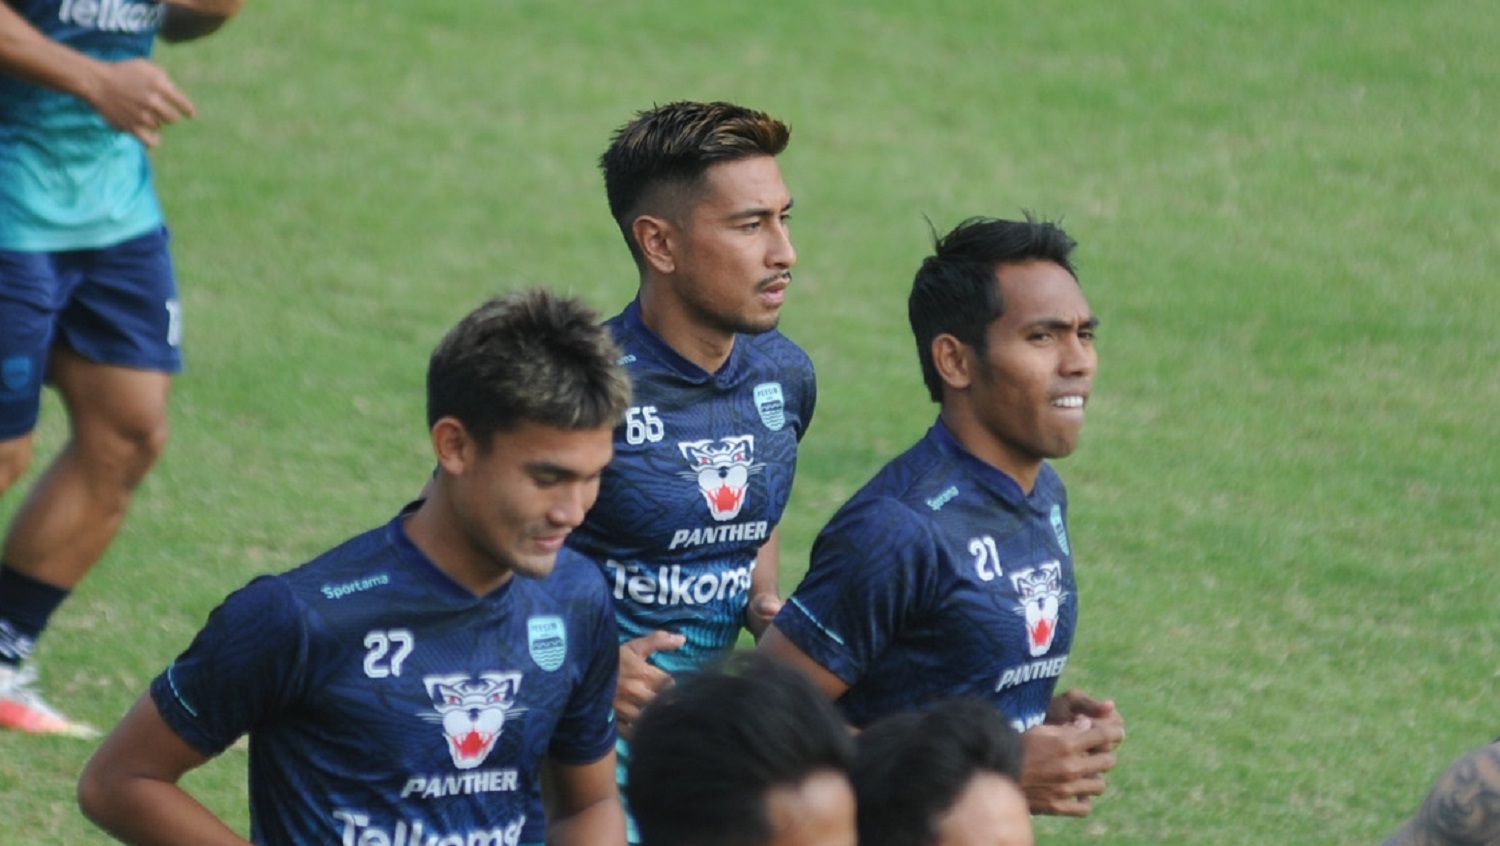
point(772, 291)
point(1070, 402)
point(552, 542)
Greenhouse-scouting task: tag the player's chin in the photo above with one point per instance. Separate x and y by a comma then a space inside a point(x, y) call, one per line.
point(761, 321)
point(536, 564)
point(1063, 440)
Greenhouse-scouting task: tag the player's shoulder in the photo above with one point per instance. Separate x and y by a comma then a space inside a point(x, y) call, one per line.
point(359, 564)
point(618, 325)
point(575, 579)
point(778, 349)
point(266, 604)
point(642, 353)
point(627, 327)
point(908, 494)
point(893, 501)
point(919, 479)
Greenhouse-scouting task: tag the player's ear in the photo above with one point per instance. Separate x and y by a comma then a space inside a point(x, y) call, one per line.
point(954, 361)
point(452, 445)
point(657, 238)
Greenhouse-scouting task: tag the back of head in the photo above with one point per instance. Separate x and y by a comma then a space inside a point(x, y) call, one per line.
point(527, 357)
point(708, 750)
point(955, 290)
point(655, 162)
point(910, 768)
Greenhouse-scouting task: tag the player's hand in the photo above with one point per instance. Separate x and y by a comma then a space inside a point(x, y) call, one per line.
point(1065, 765)
point(639, 681)
point(137, 97)
point(760, 612)
point(1068, 706)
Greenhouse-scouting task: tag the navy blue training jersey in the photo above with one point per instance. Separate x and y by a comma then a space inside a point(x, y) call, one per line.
point(387, 704)
point(701, 473)
point(940, 578)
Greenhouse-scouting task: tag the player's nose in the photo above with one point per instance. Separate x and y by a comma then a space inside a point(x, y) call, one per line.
point(781, 254)
point(570, 506)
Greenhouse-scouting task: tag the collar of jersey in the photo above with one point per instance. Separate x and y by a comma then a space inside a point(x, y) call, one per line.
point(989, 477)
point(663, 352)
point(423, 566)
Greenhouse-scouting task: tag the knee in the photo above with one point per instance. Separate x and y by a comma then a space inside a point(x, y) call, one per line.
point(15, 457)
point(144, 444)
point(129, 447)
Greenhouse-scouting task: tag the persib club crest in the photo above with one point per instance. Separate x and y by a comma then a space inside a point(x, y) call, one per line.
point(472, 710)
point(1060, 530)
point(1039, 590)
point(547, 639)
point(15, 375)
point(722, 469)
point(770, 405)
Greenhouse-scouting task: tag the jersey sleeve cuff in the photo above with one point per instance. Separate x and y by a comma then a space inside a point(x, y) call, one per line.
point(816, 640)
point(180, 717)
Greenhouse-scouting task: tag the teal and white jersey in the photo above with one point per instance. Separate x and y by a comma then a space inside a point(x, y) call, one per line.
point(701, 474)
point(67, 179)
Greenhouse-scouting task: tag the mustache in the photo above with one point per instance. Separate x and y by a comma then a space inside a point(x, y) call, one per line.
point(767, 282)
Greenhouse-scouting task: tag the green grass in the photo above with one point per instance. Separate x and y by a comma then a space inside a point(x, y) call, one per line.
point(1284, 505)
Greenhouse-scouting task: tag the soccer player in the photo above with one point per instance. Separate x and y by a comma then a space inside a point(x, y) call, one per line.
point(748, 755)
point(948, 776)
point(1463, 807)
point(411, 685)
point(87, 295)
point(951, 572)
point(685, 529)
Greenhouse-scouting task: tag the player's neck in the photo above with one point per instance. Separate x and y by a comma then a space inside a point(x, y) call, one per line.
point(434, 529)
point(980, 443)
point(688, 336)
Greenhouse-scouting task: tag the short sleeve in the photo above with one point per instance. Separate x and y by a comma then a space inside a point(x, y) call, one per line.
point(809, 397)
point(586, 730)
point(238, 671)
point(871, 571)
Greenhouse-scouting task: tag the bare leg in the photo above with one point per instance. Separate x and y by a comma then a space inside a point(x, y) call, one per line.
point(15, 455)
point(119, 428)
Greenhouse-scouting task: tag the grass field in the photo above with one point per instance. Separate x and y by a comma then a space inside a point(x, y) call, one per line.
point(1285, 505)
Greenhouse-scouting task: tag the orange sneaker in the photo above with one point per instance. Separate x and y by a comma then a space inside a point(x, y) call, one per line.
point(22, 707)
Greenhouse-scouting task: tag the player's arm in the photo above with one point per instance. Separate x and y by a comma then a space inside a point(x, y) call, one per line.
point(583, 803)
point(850, 591)
point(780, 647)
point(765, 587)
point(129, 787)
point(1463, 806)
point(27, 53)
point(133, 96)
point(186, 20)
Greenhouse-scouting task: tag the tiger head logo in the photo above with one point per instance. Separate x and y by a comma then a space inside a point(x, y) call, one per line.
point(1039, 590)
point(722, 468)
point(472, 710)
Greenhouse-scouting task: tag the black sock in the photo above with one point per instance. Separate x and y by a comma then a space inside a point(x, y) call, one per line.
point(25, 606)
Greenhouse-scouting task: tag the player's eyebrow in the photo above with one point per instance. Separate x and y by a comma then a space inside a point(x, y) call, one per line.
point(552, 469)
point(1059, 324)
point(760, 211)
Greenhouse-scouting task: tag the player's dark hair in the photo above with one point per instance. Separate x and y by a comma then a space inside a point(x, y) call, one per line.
point(527, 357)
point(708, 750)
point(910, 768)
point(663, 153)
point(955, 291)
